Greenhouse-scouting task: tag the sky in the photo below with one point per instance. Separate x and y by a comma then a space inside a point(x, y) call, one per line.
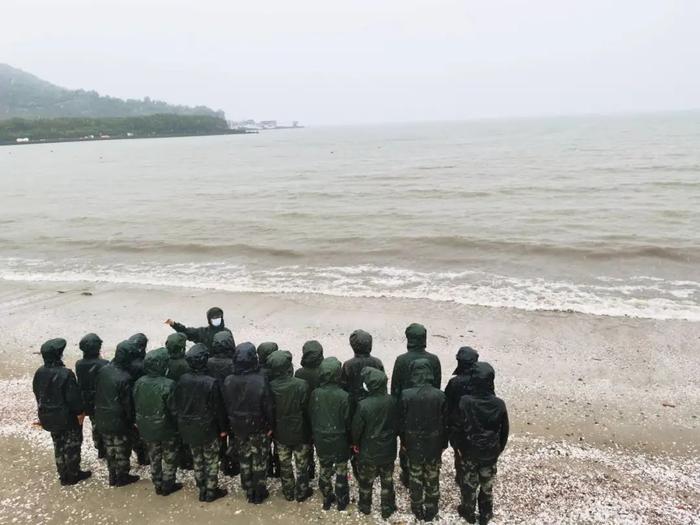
point(367, 61)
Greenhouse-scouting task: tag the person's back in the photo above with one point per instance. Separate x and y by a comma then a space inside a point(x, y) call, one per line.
point(140, 341)
point(204, 334)
point(423, 411)
point(311, 358)
point(351, 374)
point(177, 364)
point(483, 435)
point(220, 363)
point(416, 336)
point(86, 371)
point(265, 350)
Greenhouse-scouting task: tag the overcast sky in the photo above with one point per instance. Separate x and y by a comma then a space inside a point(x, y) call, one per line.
point(333, 61)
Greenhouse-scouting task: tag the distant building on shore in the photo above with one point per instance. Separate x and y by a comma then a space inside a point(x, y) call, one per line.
point(260, 125)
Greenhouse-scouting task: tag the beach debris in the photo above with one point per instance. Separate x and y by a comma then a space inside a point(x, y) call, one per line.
point(86, 293)
point(669, 405)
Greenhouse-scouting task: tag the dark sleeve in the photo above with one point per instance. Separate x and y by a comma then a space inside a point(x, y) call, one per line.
point(217, 404)
point(72, 395)
point(192, 333)
point(344, 379)
point(380, 365)
point(305, 405)
point(444, 415)
point(438, 373)
point(347, 417)
point(35, 386)
point(402, 410)
point(268, 406)
point(505, 428)
point(459, 428)
point(358, 427)
point(170, 403)
point(126, 399)
point(396, 379)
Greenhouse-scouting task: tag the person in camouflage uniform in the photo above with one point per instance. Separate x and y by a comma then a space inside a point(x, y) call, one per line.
point(60, 411)
point(423, 410)
point(154, 399)
point(329, 411)
point(291, 431)
point(374, 430)
point(482, 437)
point(311, 358)
point(140, 342)
point(201, 420)
point(177, 367)
point(86, 371)
point(264, 351)
point(249, 405)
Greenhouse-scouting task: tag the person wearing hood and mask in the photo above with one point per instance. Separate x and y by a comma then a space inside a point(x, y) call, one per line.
point(416, 336)
point(114, 413)
point(140, 342)
point(291, 432)
point(220, 366)
point(154, 400)
point(311, 357)
point(203, 334)
point(264, 351)
point(177, 364)
point(423, 433)
point(60, 410)
point(329, 412)
point(458, 386)
point(201, 421)
point(86, 370)
point(374, 429)
point(483, 435)
point(250, 408)
point(351, 374)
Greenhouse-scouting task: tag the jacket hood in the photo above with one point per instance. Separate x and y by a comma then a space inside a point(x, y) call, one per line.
point(197, 357)
point(90, 345)
point(483, 378)
point(140, 341)
point(374, 379)
point(245, 359)
point(214, 313)
point(223, 343)
point(280, 364)
point(466, 357)
point(155, 364)
point(416, 336)
point(52, 351)
point(264, 351)
point(124, 354)
point(361, 342)
point(329, 371)
point(312, 354)
point(175, 343)
point(420, 372)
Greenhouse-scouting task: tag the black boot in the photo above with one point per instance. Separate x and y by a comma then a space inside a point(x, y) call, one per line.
point(485, 510)
point(126, 479)
point(328, 501)
point(112, 478)
point(169, 488)
point(468, 514)
point(418, 513)
point(303, 497)
point(202, 494)
point(213, 495)
point(101, 453)
point(261, 494)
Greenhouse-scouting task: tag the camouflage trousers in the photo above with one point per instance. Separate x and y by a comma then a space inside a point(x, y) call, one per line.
point(252, 454)
point(366, 476)
point(325, 480)
point(163, 457)
point(118, 448)
point(206, 465)
point(66, 449)
point(478, 477)
point(424, 486)
point(299, 456)
point(97, 440)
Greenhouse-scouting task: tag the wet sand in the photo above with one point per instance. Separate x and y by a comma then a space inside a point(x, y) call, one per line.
point(603, 409)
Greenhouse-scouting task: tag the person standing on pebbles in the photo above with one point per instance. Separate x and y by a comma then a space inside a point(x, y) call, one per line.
point(60, 411)
point(203, 334)
point(86, 370)
point(482, 437)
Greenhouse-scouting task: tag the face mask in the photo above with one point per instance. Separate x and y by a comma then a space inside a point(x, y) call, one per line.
point(364, 386)
point(216, 322)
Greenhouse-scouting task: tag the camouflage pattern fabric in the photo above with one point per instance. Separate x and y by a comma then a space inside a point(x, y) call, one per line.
point(164, 457)
point(479, 477)
point(118, 448)
point(66, 447)
point(325, 480)
point(367, 474)
point(297, 455)
point(424, 486)
point(206, 465)
point(253, 456)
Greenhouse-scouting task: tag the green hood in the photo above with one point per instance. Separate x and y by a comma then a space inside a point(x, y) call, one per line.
point(312, 354)
point(197, 357)
point(52, 351)
point(175, 343)
point(483, 379)
point(90, 345)
point(361, 342)
point(140, 341)
point(416, 336)
point(223, 343)
point(420, 372)
point(374, 379)
point(265, 350)
point(279, 363)
point(329, 371)
point(124, 354)
point(155, 364)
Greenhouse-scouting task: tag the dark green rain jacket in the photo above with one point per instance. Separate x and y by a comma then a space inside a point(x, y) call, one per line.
point(114, 403)
point(416, 336)
point(291, 396)
point(311, 358)
point(265, 350)
point(204, 334)
point(177, 365)
point(423, 415)
point(329, 411)
point(154, 399)
point(86, 370)
point(376, 422)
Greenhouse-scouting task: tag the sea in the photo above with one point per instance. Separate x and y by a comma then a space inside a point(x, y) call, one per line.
point(594, 214)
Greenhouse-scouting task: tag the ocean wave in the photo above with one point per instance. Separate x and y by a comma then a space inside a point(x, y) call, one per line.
point(644, 297)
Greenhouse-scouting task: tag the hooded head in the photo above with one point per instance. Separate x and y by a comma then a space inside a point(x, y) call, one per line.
point(466, 357)
point(264, 351)
point(124, 354)
point(140, 341)
point(416, 336)
point(420, 372)
point(175, 343)
point(245, 358)
point(197, 357)
point(312, 354)
point(223, 344)
point(155, 364)
point(52, 351)
point(374, 380)
point(90, 345)
point(361, 342)
point(482, 379)
point(329, 371)
point(279, 363)
point(213, 314)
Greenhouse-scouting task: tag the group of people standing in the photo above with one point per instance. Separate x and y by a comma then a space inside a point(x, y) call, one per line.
point(245, 410)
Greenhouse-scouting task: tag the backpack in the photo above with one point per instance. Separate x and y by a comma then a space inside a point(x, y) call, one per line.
point(484, 445)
